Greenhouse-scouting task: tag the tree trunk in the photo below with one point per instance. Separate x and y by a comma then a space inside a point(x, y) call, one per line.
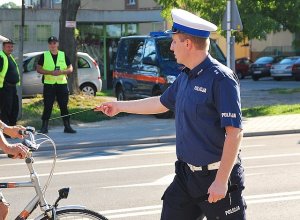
point(67, 41)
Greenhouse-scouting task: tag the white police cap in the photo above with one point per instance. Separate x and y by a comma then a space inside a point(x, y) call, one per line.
point(186, 22)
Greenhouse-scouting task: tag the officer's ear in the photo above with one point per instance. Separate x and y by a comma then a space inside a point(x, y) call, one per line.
point(188, 43)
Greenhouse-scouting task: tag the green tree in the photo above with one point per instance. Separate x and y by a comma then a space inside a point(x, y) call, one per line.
point(259, 17)
point(9, 5)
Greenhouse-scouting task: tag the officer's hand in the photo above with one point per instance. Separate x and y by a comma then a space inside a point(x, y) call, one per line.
point(217, 191)
point(109, 108)
point(13, 131)
point(17, 150)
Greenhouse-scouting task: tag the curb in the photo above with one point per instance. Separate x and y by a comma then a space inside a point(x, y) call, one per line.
point(268, 133)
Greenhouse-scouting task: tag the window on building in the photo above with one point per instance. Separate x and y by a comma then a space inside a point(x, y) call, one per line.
point(17, 32)
point(113, 30)
point(43, 32)
point(129, 29)
point(131, 2)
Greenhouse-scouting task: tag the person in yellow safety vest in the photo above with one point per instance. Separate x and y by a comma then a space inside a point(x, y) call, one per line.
point(55, 66)
point(9, 79)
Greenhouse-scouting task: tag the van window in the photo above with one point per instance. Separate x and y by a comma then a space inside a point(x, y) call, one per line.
point(164, 49)
point(216, 52)
point(150, 50)
point(130, 52)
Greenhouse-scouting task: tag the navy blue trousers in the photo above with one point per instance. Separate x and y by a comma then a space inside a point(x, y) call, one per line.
point(180, 198)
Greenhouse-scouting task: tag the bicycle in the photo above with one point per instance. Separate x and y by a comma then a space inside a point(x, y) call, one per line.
point(49, 212)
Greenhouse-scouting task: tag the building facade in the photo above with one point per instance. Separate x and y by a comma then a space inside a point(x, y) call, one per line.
point(99, 26)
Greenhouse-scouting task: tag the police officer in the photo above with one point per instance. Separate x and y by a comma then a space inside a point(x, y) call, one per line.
point(55, 66)
point(9, 79)
point(206, 101)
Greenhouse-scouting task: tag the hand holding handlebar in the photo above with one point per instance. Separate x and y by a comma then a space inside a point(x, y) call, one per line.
point(17, 151)
point(14, 131)
point(20, 150)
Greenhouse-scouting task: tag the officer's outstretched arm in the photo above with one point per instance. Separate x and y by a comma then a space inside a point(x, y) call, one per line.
point(143, 106)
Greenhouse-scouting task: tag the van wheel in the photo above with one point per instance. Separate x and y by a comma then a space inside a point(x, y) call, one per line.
point(88, 89)
point(165, 115)
point(297, 78)
point(120, 94)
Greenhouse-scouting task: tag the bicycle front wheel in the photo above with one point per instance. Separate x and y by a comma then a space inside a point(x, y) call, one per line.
point(78, 214)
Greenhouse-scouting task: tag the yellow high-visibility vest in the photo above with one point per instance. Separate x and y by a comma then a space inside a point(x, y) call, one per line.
point(5, 68)
point(50, 66)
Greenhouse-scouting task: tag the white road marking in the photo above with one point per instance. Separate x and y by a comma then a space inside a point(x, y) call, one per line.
point(271, 156)
point(272, 165)
point(164, 181)
point(100, 157)
point(156, 209)
point(254, 145)
point(108, 157)
point(131, 209)
point(154, 212)
point(133, 167)
point(93, 170)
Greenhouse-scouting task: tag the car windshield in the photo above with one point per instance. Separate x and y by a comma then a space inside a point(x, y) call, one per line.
point(163, 46)
point(263, 60)
point(290, 60)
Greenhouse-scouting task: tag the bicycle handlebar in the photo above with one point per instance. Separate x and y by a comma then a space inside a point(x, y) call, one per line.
point(29, 131)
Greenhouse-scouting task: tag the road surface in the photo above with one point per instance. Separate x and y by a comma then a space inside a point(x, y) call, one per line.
point(126, 182)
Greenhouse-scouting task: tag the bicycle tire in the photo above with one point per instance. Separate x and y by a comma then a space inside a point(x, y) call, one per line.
point(70, 214)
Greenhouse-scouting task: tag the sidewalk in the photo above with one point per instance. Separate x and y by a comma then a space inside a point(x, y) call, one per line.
point(140, 129)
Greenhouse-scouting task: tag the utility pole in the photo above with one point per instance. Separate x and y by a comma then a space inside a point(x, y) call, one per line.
point(21, 49)
point(228, 34)
point(231, 21)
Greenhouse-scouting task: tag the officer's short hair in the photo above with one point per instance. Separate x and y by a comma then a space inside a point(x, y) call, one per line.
point(199, 42)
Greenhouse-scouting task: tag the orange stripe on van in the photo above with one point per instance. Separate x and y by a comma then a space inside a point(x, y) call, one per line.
point(24, 214)
point(11, 185)
point(154, 79)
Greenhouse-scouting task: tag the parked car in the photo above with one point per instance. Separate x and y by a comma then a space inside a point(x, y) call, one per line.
point(283, 69)
point(261, 67)
point(145, 66)
point(296, 70)
point(89, 78)
point(242, 67)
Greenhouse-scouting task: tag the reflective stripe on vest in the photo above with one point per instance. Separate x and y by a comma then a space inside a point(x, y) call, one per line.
point(50, 66)
point(5, 68)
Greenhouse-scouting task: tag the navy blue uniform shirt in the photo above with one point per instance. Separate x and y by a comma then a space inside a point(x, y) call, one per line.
point(205, 100)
